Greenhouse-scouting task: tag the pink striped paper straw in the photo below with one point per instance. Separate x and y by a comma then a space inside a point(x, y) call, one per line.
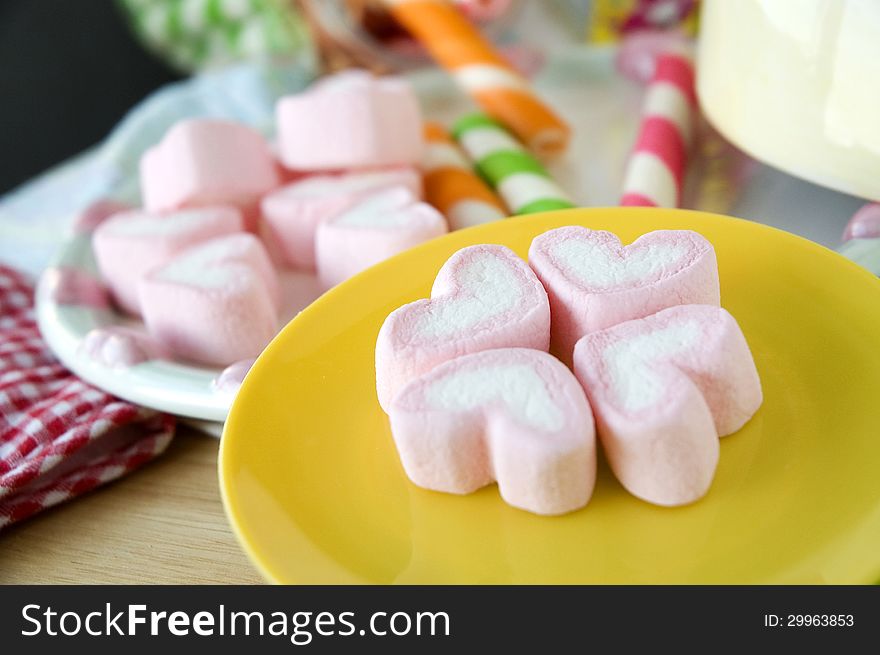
point(656, 168)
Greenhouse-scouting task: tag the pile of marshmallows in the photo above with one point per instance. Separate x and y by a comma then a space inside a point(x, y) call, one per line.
point(658, 369)
point(221, 214)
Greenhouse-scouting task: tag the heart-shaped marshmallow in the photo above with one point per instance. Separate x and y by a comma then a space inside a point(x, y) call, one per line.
point(130, 244)
point(376, 228)
point(513, 415)
point(483, 297)
point(216, 303)
point(203, 162)
point(663, 389)
point(290, 215)
point(350, 120)
point(594, 281)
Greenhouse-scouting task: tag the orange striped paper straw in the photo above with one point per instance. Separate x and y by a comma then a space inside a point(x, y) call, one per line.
point(478, 67)
point(451, 184)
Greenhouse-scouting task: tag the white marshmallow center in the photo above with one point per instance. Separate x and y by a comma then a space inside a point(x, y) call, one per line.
point(522, 391)
point(211, 266)
point(492, 289)
point(630, 363)
point(598, 267)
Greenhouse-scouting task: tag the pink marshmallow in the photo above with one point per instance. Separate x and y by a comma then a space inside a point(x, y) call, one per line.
point(376, 228)
point(291, 214)
point(231, 378)
point(594, 282)
point(96, 213)
point(516, 416)
point(214, 304)
point(636, 57)
point(864, 224)
point(483, 11)
point(350, 120)
point(663, 389)
point(208, 162)
point(120, 347)
point(483, 297)
point(132, 243)
point(74, 286)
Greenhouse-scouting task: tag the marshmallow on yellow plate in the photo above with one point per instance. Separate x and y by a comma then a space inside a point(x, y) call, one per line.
point(513, 415)
point(594, 281)
point(483, 297)
point(663, 389)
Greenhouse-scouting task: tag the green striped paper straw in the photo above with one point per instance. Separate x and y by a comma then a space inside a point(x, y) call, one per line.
point(197, 34)
point(520, 179)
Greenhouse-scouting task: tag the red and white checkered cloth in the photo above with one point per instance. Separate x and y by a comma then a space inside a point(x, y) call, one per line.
point(59, 437)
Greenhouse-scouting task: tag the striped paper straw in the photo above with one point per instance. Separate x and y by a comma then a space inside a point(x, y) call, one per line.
point(451, 184)
point(520, 179)
point(656, 169)
point(477, 66)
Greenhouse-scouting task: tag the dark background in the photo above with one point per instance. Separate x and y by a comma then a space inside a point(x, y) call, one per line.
point(69, 70)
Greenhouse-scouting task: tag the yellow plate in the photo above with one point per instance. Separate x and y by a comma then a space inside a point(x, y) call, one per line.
point(315, 491)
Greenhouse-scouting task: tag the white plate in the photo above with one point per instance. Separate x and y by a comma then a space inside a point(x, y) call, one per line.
point(603, 111)
point(170, 386)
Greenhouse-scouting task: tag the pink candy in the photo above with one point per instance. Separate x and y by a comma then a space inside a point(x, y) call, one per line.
point(291, 214)
point(472, 399)
point(208, 162)
point(515, 416)
point(865, 223)
point(595, 282)
point(636, 58)
point(376, 228)
point(350, 120)
point(230, 378)
point(74, 286)
point(120, 347)
point(212, 296)
point(663, 389)
point(483, 297)
point(483, 11)
point(130, 244)
point(96, 213)
point(214, 304)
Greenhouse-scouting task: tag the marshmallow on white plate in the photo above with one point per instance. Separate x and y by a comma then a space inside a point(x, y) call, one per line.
point(118, 347)
point(131, 243)
point(663, 389)
point(513, 415)
point(594, 281)
point(214, 304)
point(290, 215)
point(483, 297)
point(206, 161)
point(350, 120)
point(376, 228)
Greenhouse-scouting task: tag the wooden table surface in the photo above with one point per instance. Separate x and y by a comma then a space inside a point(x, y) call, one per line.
point(161, 524)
